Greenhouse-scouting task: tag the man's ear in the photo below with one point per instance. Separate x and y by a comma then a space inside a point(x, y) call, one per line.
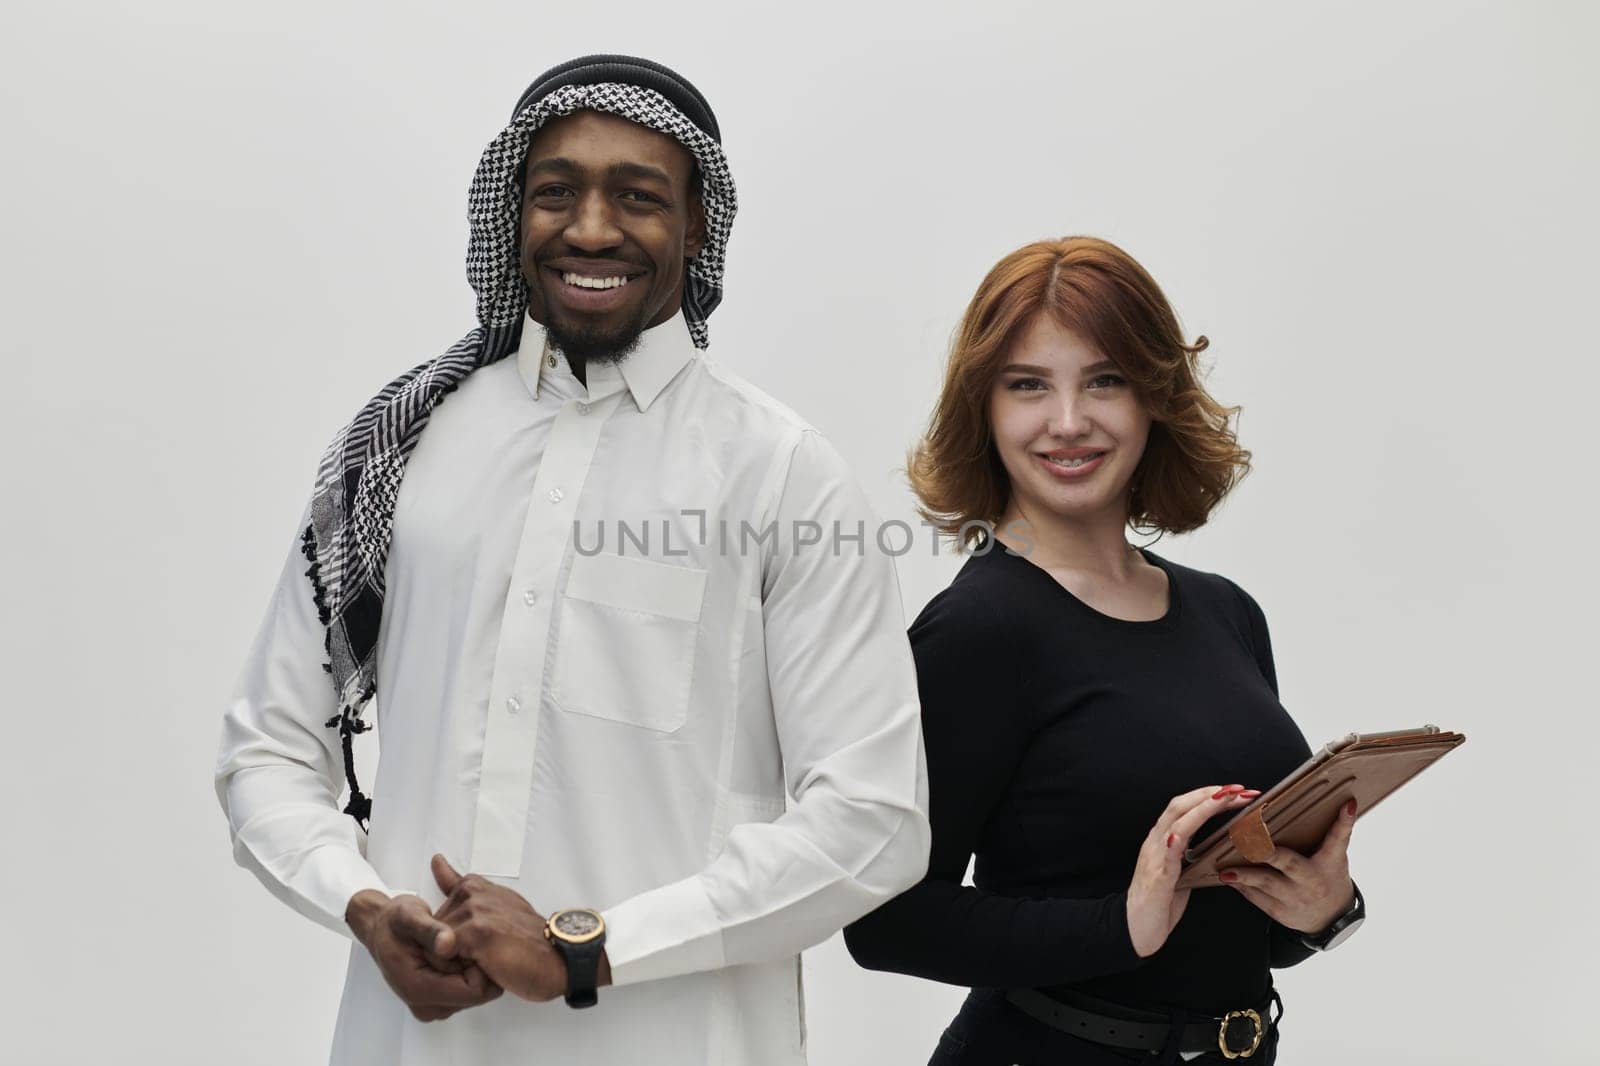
point(694, 237)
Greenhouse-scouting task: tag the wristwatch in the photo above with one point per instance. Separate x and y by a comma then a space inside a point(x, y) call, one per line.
point(1342, 927)
point(580, 935)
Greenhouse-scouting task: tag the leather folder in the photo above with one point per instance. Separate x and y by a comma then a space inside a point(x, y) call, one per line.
point(1297, 812)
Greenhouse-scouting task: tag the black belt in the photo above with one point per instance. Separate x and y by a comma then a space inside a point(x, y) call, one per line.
point(1236, 1034)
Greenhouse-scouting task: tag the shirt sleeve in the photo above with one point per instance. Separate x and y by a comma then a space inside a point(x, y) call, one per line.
point(1285, 948)
point(844, 701)
point(1260, 639)
point(977, 731)
point(279, 771)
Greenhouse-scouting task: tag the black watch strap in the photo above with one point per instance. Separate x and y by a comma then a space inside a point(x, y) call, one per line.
point(583, 971)
point(1328, 937)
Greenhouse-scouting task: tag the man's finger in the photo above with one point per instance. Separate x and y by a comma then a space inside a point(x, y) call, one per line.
point(1337, 842)
point(479, 983)
point(452, 911)
point(416, 924)
point(430, 1014)
point(451, 964)
point(445, 874)
point(428, 987)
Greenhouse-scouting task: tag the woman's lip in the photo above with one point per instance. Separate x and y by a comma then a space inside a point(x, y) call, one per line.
point(1071, 473)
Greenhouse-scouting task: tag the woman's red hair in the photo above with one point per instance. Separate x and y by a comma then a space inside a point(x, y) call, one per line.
point(1095, 289)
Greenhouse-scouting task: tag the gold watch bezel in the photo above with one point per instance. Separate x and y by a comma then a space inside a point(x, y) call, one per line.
point(552, 933)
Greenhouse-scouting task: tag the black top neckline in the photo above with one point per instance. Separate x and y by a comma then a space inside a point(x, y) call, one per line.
point(992, 546)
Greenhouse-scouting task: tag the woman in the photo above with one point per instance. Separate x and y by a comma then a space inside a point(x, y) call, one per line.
point(1089, 706)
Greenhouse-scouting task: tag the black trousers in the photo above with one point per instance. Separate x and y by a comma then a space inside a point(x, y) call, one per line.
point(989, 1031)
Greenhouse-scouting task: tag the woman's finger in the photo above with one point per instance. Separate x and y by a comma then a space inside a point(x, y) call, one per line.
point(1337, 842)
point(1213, 804)
point(1291, 864)
point(1268, 905)
point(1263, 879)
point(1185, 802)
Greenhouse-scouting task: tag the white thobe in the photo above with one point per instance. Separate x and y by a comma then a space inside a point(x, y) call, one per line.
point(641, 651)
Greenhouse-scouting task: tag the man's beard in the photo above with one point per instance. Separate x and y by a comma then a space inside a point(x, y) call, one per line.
point(586, 344)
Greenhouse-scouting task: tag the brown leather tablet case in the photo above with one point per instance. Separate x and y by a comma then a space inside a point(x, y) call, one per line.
point(1297, 812)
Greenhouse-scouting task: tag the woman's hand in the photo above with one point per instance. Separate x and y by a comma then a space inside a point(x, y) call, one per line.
point(1154, 901)
point(1304, 892)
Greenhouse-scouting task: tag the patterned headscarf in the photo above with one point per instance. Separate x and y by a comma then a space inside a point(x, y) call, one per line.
point(346, 541)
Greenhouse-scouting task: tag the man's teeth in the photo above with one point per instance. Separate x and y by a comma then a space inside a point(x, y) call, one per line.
point(1070, 463)
point(594, 283)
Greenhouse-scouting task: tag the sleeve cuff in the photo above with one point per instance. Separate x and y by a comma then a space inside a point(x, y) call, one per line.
point(330, 876)
point(667, 931)
point(1124, 956)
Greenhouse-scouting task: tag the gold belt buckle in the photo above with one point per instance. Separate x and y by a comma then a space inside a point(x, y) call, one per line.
point(1222, 1034)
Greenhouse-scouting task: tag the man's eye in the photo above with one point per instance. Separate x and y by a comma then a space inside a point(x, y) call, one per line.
point(1026, 385)
point(642, 197)
point(545, 192)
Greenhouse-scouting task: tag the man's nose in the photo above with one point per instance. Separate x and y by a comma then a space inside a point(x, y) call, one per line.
point(594, 226)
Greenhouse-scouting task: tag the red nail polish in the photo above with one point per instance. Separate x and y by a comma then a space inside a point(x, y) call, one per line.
point(1227, 877)
point(1250, 793)
point(1223, 791)
point(1170, 838)
point(1350, 808)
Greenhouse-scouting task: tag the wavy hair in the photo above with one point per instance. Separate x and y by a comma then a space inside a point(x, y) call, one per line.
point(1098, 291)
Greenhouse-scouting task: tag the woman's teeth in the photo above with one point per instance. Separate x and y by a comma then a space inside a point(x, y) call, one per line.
point(594, 283)
point(1070, 463)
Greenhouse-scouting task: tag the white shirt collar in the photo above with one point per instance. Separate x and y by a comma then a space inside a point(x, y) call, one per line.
point(663, 350)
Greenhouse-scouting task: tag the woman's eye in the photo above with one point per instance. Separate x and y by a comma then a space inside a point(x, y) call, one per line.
point(1107, 381)
point(1026, 385)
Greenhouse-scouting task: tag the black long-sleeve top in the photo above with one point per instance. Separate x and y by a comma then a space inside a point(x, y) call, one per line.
point(1055, 737)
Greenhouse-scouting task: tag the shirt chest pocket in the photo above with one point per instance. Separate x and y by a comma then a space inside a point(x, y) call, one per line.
point(626, 645)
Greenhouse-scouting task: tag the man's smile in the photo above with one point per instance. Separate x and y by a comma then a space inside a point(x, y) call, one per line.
point(586, 282)
point(590, 286)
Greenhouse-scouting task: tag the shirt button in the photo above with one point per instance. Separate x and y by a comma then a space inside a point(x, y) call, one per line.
point(513, 704)
point(550, 360)
point(530, 597)
point(555, 495)
point(583, 408)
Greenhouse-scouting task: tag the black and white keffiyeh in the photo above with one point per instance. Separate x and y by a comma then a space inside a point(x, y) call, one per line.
point(346, 541)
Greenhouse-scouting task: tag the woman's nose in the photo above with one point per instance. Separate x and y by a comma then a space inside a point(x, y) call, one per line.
point(1068, 419)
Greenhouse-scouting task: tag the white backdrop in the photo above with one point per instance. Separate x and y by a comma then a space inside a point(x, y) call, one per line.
point(224, 225)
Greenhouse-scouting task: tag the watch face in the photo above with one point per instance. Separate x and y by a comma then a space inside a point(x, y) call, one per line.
point(577, 925)
point(1343, 934)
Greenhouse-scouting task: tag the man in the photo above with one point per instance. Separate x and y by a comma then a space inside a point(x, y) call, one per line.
point(635, 656)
